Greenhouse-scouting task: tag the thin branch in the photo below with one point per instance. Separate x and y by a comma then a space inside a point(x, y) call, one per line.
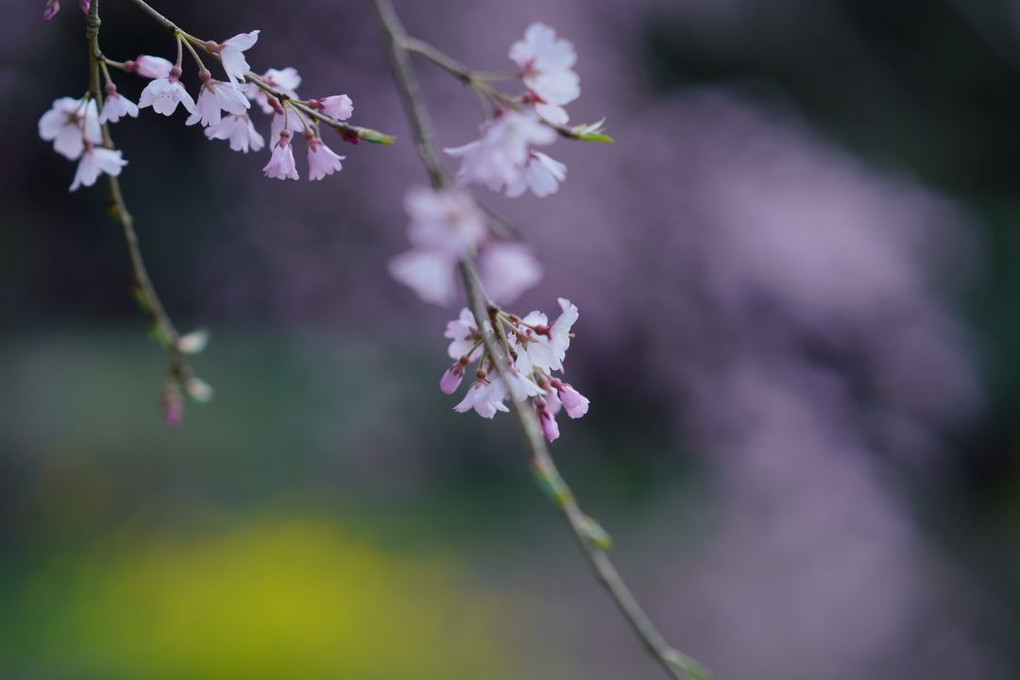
point(348, 132)
point(589, 536)
point(145, 292)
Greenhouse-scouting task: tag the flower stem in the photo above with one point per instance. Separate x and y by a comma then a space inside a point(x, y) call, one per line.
point(145, 292)
point(583, 527)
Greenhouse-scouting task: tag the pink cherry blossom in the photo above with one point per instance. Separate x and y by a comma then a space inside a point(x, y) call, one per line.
point(448, 220)
point(464, 333)
point(281, 164)
point(70, 124)
point(338, 106)
point(164, 94)
point(575, 403)
point(288, 118)
point(486, 397)
point(499, 157)
point(96, 160)
point(429, 273)
point(546, 63)
point(284, 80)
point(215, 97)
point(239, 131)
point(116, 106)
point(548, 344)
point(542, 175)
point(232, 55)
point(507, 270)
point(150, 67)
point(322, 160)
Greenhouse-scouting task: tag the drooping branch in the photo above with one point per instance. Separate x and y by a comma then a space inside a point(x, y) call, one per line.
point(145, 293)
point(591, 538)
point(348, 132)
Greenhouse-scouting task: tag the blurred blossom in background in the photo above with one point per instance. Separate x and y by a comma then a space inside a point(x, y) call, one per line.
point(797, 271)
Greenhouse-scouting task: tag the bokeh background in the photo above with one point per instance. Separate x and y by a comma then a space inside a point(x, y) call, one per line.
point(798, 271)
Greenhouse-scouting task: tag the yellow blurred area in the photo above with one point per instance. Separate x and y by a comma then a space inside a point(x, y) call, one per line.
point(277, 598)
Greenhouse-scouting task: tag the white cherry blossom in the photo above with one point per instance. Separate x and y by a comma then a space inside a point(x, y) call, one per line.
point(429, 273)
point(542, 175)
point(116, 106)
point(149, 66)
point(507, 270)
point(281, 164)
point(486, 397)
point(232, 55)
point(239, 131)
point(69, 124)
point(215, 97)
point(164, 94)
point(322, 160)
point(498, 159)
point(337, 106)
point(546, 65)
point(284, 80)
point(96, 160)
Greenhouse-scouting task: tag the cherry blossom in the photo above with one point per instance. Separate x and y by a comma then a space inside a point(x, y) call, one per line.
point(575, 403)
point(288, 118)
point(70, 124)
point(284, 80)
point(239, 131)
point(431, 274)
point(337, 106)
point(546, 65)
point(507, 270)
point(164, 94)
point(322, 160)
point(96, 160)
point(232, 55)
point(465, 336)
point(498, 159)
point(281, 164)
point(116, 106)
point(150, 67)
point(542, 175)
point(486, 397)
point(533, 350)
point(215, 97)
point(444, 226)
point(547, 344)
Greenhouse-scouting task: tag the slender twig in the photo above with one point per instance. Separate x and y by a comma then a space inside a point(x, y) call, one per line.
point(583, 527)
point(348, 132)
point(145, 292)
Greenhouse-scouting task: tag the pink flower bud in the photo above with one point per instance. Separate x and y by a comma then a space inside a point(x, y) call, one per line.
point(452, 378)
point(85, 5)
point(52, 7)
point(549, 427)
point(172, 403)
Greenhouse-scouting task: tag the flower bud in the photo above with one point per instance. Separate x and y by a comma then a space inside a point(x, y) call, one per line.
point(171, 402)
point(199, 390)
point(194, 342)
point(452, 378)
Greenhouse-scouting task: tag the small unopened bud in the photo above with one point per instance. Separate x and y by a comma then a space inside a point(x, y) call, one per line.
point(193, 342)
point(452, 378)
point(51, 9)
point(199, 390)
point(550, 429)
point(481, 375)
point(85, 5)
point(171, 402)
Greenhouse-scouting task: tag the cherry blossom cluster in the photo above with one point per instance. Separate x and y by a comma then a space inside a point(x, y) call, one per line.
point(505, 158)
point(533, 350)
point(446, 226)
point(221, 108)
